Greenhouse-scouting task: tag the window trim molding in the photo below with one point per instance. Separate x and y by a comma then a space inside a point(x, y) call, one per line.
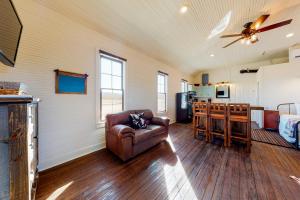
point(112, 55)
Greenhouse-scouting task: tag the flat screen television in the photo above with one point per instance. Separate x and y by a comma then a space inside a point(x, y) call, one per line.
point(10, 32)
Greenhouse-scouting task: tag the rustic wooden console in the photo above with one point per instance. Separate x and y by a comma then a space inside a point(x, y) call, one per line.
point(18, 147)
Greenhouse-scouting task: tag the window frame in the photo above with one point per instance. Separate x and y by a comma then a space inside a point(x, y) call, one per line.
point(99, 90)
point(190, 85)
point(166, 76)
point(186, 83)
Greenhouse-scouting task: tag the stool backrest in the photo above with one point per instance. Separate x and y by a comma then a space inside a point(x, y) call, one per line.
point(200, 108)
point(238, 109)
point(218, 108)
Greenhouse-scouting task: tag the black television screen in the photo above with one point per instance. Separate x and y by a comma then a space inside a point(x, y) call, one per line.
point(10, 32)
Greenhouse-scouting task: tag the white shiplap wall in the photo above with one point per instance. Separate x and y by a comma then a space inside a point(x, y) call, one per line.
point(67, 122)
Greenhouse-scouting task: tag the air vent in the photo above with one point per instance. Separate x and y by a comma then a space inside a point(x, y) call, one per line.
point(248, 71)
point(294, 53)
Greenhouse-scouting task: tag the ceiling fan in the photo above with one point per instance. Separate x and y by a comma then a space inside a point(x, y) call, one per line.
point(248, 35)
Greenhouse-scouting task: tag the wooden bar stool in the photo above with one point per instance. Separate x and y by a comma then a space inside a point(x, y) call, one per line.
point(200, 119)
point(218, 121)
point(240, 115)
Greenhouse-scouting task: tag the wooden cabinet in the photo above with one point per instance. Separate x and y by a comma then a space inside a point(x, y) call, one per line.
point(19, 148)
point(271, 120)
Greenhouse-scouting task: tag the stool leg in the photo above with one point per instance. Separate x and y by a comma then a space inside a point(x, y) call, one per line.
point(206, 129)
point(211, 137)
point(248, 139)
point(225, 133)
point(194, 126)
point(229, 133)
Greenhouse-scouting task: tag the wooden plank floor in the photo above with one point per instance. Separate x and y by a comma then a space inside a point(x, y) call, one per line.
point(262, 135)
point(183, 168)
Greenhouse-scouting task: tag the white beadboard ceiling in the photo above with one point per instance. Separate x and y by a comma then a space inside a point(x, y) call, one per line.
point(182, 40)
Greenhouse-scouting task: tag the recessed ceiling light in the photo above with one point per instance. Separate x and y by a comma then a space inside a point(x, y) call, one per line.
point(289, 35)
point(183, 9)
point(212, 55)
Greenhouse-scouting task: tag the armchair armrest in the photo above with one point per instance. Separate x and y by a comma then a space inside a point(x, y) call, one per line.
point(122, 130)
point(160, 121)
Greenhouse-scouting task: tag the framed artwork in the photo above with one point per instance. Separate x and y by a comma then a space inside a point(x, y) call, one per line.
point(70, 83)
point(223, 91)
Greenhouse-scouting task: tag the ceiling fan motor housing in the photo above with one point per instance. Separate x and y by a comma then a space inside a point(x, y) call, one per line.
point(247, 25)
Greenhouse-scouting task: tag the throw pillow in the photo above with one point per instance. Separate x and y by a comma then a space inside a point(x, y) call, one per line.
point(137, 121)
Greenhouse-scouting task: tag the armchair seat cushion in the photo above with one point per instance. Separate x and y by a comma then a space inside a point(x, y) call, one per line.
point(142, 135)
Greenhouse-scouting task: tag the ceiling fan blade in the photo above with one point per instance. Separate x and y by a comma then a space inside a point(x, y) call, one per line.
point(255, 25)
point(234, 42)
point(273, 26)
point(231, 35)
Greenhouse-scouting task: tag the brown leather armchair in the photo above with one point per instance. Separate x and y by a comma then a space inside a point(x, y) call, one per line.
point(127, 142)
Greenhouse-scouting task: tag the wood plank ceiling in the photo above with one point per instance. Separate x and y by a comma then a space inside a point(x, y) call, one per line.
point(185, 41)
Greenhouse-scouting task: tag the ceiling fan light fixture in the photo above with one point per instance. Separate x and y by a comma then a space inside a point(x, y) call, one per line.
point(253, 37)
point(257, 25)
point(289, 35)
point(183, 9)
point(248, 42)
point(243, 41)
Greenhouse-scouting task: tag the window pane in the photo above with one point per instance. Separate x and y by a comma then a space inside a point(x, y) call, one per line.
point(106, 109)
point(117, 68)
point(117, 108)
point(107, 97)
point(182, 87)
point(117, 97)
point(105, 66)
point(116, 82)
point(166, 84)
point(159, 79)
point(161, 102)
point(161, 88)
point(105, 81)
point(162, 80)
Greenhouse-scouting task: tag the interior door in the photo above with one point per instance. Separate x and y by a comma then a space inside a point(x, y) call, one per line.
point(247, 92)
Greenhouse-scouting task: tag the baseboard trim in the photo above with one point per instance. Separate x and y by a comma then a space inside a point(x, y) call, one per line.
point(69, 157)
point(48, 170)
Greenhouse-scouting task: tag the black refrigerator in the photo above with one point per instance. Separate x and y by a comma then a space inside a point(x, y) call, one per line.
point(184, 106)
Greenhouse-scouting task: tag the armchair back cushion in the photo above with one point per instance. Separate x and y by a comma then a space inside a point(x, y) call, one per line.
point(123, 117)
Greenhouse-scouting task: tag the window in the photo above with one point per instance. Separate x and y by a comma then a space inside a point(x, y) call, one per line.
point(162, 91)
point(184, 86)
point(190, 87)
point(111, 85)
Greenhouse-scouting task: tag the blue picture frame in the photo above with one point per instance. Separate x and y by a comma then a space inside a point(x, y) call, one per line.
point(70, 83)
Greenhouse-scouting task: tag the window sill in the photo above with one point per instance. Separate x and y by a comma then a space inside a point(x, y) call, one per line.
point(100, 125)
point(162, 112)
